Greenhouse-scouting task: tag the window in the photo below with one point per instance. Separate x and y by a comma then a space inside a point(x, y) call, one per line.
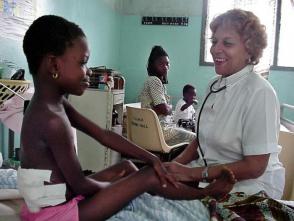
point(286, 38)
point(276, 15)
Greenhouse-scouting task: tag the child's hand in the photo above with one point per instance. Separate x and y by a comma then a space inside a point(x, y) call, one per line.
point(163, 174)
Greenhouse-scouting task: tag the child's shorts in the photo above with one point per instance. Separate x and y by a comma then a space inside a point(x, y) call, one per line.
point(65, 212)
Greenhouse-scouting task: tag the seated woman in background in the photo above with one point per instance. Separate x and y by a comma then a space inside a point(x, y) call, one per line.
point(154, 96)
point(184, 112)
point(239, 125)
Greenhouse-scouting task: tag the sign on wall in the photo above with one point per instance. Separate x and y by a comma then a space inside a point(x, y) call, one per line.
point(15, 17)
point(176, 21)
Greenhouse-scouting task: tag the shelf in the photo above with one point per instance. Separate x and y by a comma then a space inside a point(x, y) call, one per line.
point(98, 105)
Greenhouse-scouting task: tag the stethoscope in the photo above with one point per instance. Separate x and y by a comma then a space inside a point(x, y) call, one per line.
point(211, 91)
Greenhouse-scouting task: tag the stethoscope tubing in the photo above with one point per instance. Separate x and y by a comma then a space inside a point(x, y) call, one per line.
point(211, 91)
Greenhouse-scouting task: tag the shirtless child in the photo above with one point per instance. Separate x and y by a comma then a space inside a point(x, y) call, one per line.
point(51, 178)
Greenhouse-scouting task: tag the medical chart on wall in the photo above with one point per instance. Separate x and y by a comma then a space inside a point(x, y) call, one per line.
point(15, 17)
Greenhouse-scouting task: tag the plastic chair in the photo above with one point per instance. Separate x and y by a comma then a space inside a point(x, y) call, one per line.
point(144, 129)
point(286, 140)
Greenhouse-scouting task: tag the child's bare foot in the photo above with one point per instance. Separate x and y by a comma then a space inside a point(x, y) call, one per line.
point(222, 185)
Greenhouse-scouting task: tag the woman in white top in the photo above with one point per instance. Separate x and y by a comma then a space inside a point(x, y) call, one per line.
point(239, 125)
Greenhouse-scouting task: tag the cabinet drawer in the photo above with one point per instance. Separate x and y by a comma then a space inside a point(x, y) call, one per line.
point(118, 98)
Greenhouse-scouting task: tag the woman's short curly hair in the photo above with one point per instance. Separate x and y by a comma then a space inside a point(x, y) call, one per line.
point(248, 27)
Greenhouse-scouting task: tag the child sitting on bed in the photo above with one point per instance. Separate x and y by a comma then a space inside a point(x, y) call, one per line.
point(51, 179)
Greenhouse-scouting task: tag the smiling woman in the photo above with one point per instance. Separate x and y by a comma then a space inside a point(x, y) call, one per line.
point(239, 123)
point(237, 39)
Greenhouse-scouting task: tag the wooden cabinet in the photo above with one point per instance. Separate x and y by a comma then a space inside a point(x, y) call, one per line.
point(98, 106)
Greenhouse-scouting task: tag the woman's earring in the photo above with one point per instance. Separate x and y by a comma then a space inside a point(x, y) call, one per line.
point(55, 75)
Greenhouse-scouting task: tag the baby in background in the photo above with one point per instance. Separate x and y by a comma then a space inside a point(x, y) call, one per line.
point(184, 109)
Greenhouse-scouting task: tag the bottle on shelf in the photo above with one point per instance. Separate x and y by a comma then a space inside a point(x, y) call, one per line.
point(114, 117)
point(110, 81)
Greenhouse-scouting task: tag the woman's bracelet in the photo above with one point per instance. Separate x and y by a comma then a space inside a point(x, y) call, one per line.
point(204, 174)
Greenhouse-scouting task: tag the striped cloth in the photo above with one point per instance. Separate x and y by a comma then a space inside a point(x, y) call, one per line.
point(155, 208)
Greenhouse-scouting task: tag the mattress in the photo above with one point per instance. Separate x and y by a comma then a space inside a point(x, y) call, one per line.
point(10, 204)
point(9, 209)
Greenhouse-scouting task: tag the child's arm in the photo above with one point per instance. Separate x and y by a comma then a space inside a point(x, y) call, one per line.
point(115, 141)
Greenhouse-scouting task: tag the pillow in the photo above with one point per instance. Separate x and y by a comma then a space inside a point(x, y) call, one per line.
point(8, 179)
point(8, 194)
point(8, 184)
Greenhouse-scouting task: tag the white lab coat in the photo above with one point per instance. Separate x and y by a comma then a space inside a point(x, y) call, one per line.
point(243, 120)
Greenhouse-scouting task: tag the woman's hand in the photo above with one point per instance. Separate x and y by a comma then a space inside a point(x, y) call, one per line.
point(163, 175)
point(180, 172)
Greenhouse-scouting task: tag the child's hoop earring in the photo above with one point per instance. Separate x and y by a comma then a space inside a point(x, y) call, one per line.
point(249, 61)
point(55, 75)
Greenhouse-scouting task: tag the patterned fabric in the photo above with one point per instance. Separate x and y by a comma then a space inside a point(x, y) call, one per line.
point(155, 93)
point(239, 206)
point(174, 135)
point(8, 179)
